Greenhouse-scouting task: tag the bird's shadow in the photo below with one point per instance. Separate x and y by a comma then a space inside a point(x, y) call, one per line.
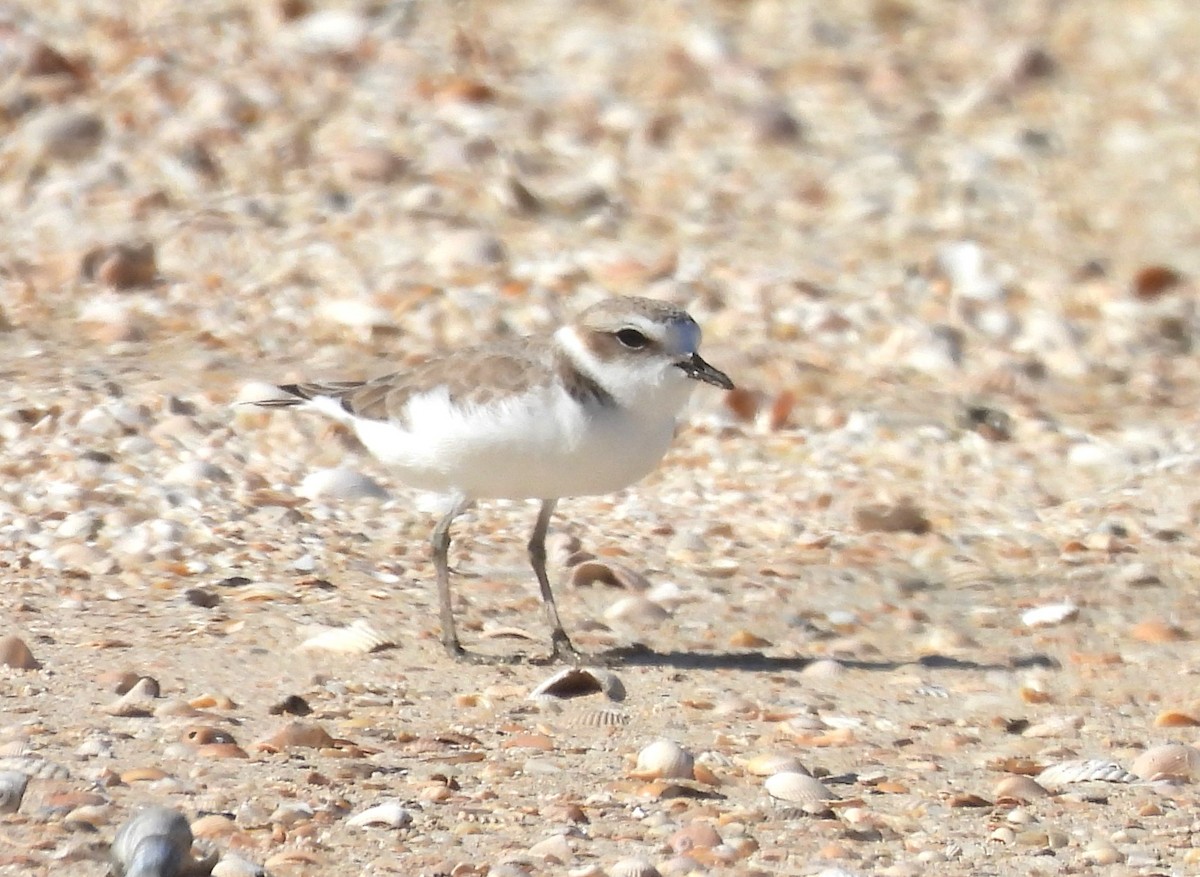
point(756, 662)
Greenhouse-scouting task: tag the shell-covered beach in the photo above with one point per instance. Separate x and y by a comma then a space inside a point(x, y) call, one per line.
point(913, 599)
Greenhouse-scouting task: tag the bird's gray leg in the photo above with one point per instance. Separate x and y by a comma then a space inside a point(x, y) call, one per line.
point(441, 564)
point(562, 647)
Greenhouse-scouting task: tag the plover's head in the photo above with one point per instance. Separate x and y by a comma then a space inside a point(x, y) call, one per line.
point(640, 350)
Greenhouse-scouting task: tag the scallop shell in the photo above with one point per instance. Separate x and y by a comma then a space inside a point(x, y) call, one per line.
point(1020, 788)
point(606, 717)
point(665, 760)
point(157, 842)
point(35, 767)
point(1090, 770)
point(19, 746)
point(633, 867)
point(1170, 760)
point(12, 790)
point(388, 814)
point(592, 572)
point(797, 788)
point(357, 638)
point(580, 681)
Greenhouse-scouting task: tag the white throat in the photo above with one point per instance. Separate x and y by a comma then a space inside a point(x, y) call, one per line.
point(650, 384)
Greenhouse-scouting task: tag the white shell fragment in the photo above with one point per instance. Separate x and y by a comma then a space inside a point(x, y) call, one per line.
point(356, 638)
point(1089, 770)
point(12, 790)
point(232, 865)
point(1049, 614)
point(156, 842)
point(579, 682)
point(341, 482)
point(355, 313)
point(665, 759)
point(386, 814)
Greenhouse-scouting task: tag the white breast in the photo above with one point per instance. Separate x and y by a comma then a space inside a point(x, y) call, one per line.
point(540, 445)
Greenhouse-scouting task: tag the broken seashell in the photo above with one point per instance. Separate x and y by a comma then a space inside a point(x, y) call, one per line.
point(14, 653)
point(1168, 761)
point(1020, 788)
point(637, 610)
point(565, 549)
point(214, 825)
point(767, 765)
point(291, 814)
point(1157, 630)
point(554, 850)
point(125, 265)
point(615, 575)
point(1083, 771)
point(388, 814)
point(357, 638)
point(12, 790)
point(664, 760)
point(137, 702)
point(343, 483)
point(297, 734)
point(580, 681)
point(507, 632)
point(797, 788)
point(233, 865)
point(127, 681)
point(1175, 719)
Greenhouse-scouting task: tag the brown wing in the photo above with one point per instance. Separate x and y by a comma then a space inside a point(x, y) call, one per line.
point(474, 377)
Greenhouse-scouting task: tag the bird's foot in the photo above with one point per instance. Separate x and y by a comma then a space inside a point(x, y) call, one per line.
point(458, 653)
point(564, 650)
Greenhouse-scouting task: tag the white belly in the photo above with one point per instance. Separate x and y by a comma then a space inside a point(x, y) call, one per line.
point(540, 446)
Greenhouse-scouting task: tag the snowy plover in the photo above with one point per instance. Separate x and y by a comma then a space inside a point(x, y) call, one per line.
point(589, 409)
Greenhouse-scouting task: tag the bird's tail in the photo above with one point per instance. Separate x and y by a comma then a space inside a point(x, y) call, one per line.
point(300, 394)
point(295, 397)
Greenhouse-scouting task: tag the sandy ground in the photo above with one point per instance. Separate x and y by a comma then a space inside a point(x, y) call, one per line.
point(941, 540)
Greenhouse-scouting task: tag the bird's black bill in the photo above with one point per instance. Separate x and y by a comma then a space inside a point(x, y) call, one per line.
point(697, 369)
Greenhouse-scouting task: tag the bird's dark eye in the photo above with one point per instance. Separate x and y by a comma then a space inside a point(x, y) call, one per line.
point(633, 339)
